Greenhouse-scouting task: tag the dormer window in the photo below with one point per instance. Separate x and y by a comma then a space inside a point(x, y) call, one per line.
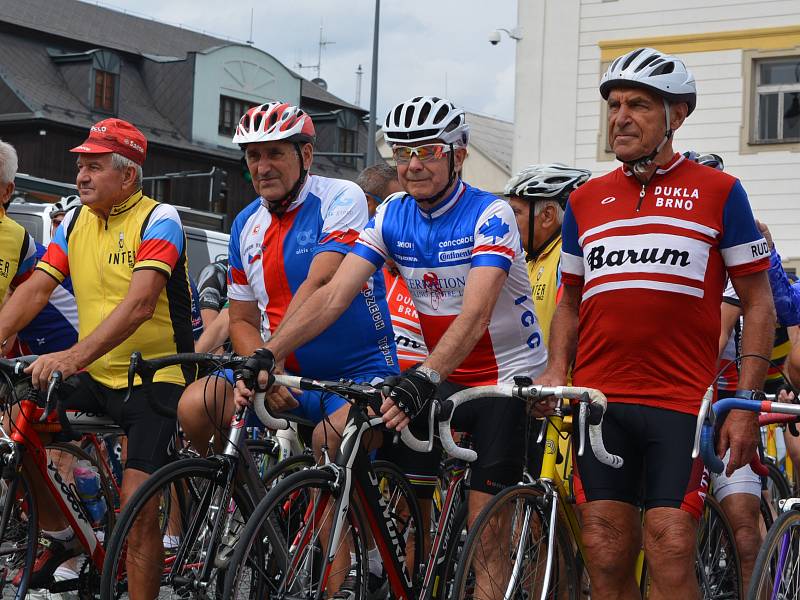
point(104, 91)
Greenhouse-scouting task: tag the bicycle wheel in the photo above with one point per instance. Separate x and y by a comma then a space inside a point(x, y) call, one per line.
point(717, 562)
point(777, 486)
point(18, 535)
point(280, 552)
point(270, 471)
point(506, 552)
point(776, 575)
point(204, 526)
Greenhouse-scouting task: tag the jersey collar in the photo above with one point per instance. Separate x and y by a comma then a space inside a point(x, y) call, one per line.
point(548, 246)
point(301, 196)
point(676, 159)
point(128, 204)
point(446, 203)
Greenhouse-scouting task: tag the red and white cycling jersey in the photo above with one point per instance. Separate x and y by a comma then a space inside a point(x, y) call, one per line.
point(411, 347)
point(652, 262)
point(434, 252)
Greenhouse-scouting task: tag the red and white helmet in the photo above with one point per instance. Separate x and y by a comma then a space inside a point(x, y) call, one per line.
point(273, 122)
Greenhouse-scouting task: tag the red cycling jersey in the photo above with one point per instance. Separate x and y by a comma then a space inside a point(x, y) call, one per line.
point(652, 261)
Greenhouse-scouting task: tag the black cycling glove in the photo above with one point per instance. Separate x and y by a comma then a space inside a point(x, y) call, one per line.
point(261, 360)
point(411, 392)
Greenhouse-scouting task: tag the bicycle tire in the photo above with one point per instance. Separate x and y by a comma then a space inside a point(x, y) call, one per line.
point(20, 527)
point(269, 470)
point(446, 573)
point(777, 486)
point(717, 566)
point(261, 570)
point(564, 580)
point(197, 483)
point(780, 549)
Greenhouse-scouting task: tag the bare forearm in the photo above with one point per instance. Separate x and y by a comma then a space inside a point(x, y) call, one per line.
point(310, 319)
point(215, 334)
point(456, 344)
point(563, 339)
point(245, 337)
point(757, 337)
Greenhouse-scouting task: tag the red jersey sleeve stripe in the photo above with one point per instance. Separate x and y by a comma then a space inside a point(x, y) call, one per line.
point(348, 237)
point(493, 249)
point(160, 250)
point(56, 258)
point(237, 276)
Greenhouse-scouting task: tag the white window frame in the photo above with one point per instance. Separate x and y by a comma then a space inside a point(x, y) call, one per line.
point(781, 89)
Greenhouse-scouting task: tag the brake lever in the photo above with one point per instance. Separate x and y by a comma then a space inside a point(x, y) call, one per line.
point(132, 368)
point(584, 409)
point(55, 380)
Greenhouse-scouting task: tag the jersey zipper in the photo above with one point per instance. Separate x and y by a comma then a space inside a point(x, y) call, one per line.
point(642, 193)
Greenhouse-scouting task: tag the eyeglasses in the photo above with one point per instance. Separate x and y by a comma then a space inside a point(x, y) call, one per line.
point(428, 152)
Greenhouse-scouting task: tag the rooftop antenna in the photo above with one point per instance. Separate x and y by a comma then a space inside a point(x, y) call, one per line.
point(322, 43)
point(359, 75)
point(250, 39)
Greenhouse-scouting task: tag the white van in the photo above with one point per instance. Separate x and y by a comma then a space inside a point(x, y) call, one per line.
point(203, 246)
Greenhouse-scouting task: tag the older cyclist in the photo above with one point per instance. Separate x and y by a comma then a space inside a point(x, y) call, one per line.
point(645, 253)
point(127, 258)
point(458, 250)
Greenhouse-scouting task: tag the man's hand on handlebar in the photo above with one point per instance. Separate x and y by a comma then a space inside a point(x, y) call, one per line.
point(740, 433)
point(405, 397)
point(43, 367)
point(546, 406)
point(256, 374)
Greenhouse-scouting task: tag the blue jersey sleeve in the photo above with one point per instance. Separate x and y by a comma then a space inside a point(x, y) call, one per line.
point(743, 248)
point(571, 265)
point(785, 295)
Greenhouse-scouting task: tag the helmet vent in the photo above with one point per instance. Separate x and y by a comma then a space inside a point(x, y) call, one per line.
point(409, 116)
point(667, 67)
point(631, 57)
point(647, 61)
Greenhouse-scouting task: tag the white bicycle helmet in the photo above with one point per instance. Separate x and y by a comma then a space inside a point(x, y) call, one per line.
point(273, 122)
point(552, 181)
point(66, 203)
point(647, 68)
point(426, 118)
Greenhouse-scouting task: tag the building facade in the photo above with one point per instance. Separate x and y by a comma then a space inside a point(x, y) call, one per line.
point(66, 64)
point(745, 56)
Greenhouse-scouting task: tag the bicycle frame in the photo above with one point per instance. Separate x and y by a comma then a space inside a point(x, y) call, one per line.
point(442, 535)
point(25, 438)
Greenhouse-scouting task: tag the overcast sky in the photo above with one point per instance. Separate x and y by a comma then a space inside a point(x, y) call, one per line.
point(436, 47)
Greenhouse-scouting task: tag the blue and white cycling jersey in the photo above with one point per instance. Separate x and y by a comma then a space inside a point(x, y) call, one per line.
point(434, 252)
point(55, 328)
point(269, 259)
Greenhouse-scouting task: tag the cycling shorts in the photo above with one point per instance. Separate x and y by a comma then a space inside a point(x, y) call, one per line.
point(150, 435)
point(742, 481)
point(659, 471)
point(497, 426)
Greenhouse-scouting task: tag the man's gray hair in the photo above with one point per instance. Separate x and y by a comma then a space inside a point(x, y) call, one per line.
point(376, 179)
point(8, 162)
point(540, 205)
point(120, 162)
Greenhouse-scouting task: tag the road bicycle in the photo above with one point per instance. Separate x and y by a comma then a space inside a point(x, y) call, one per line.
point(19, 522)
point(210, 500)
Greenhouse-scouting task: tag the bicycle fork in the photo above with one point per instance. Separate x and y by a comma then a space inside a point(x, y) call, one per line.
point(516, 571)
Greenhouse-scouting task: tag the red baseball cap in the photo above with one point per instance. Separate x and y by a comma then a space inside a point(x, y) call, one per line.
point(115, 135)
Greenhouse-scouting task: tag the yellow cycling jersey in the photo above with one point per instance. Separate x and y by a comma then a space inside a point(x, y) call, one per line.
point(101, 256)
point(544, 271)
point(17, 254)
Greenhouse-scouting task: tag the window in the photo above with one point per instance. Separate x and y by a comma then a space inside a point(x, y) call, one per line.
point(104, 88)
point(348, 143)
point(777, 100)
point(230, 111)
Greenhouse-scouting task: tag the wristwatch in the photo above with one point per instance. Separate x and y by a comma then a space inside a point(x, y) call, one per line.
point(750, 395)
point(433, 376)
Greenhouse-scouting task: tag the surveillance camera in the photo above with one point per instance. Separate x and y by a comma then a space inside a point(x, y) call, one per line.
point(494, 37)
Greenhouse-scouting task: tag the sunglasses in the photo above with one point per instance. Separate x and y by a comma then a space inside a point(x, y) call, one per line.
point(428, 152)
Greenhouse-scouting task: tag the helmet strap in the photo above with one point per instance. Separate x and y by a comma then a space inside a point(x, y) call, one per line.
point(640, 165)
point(530, 253)
point(280, 206)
